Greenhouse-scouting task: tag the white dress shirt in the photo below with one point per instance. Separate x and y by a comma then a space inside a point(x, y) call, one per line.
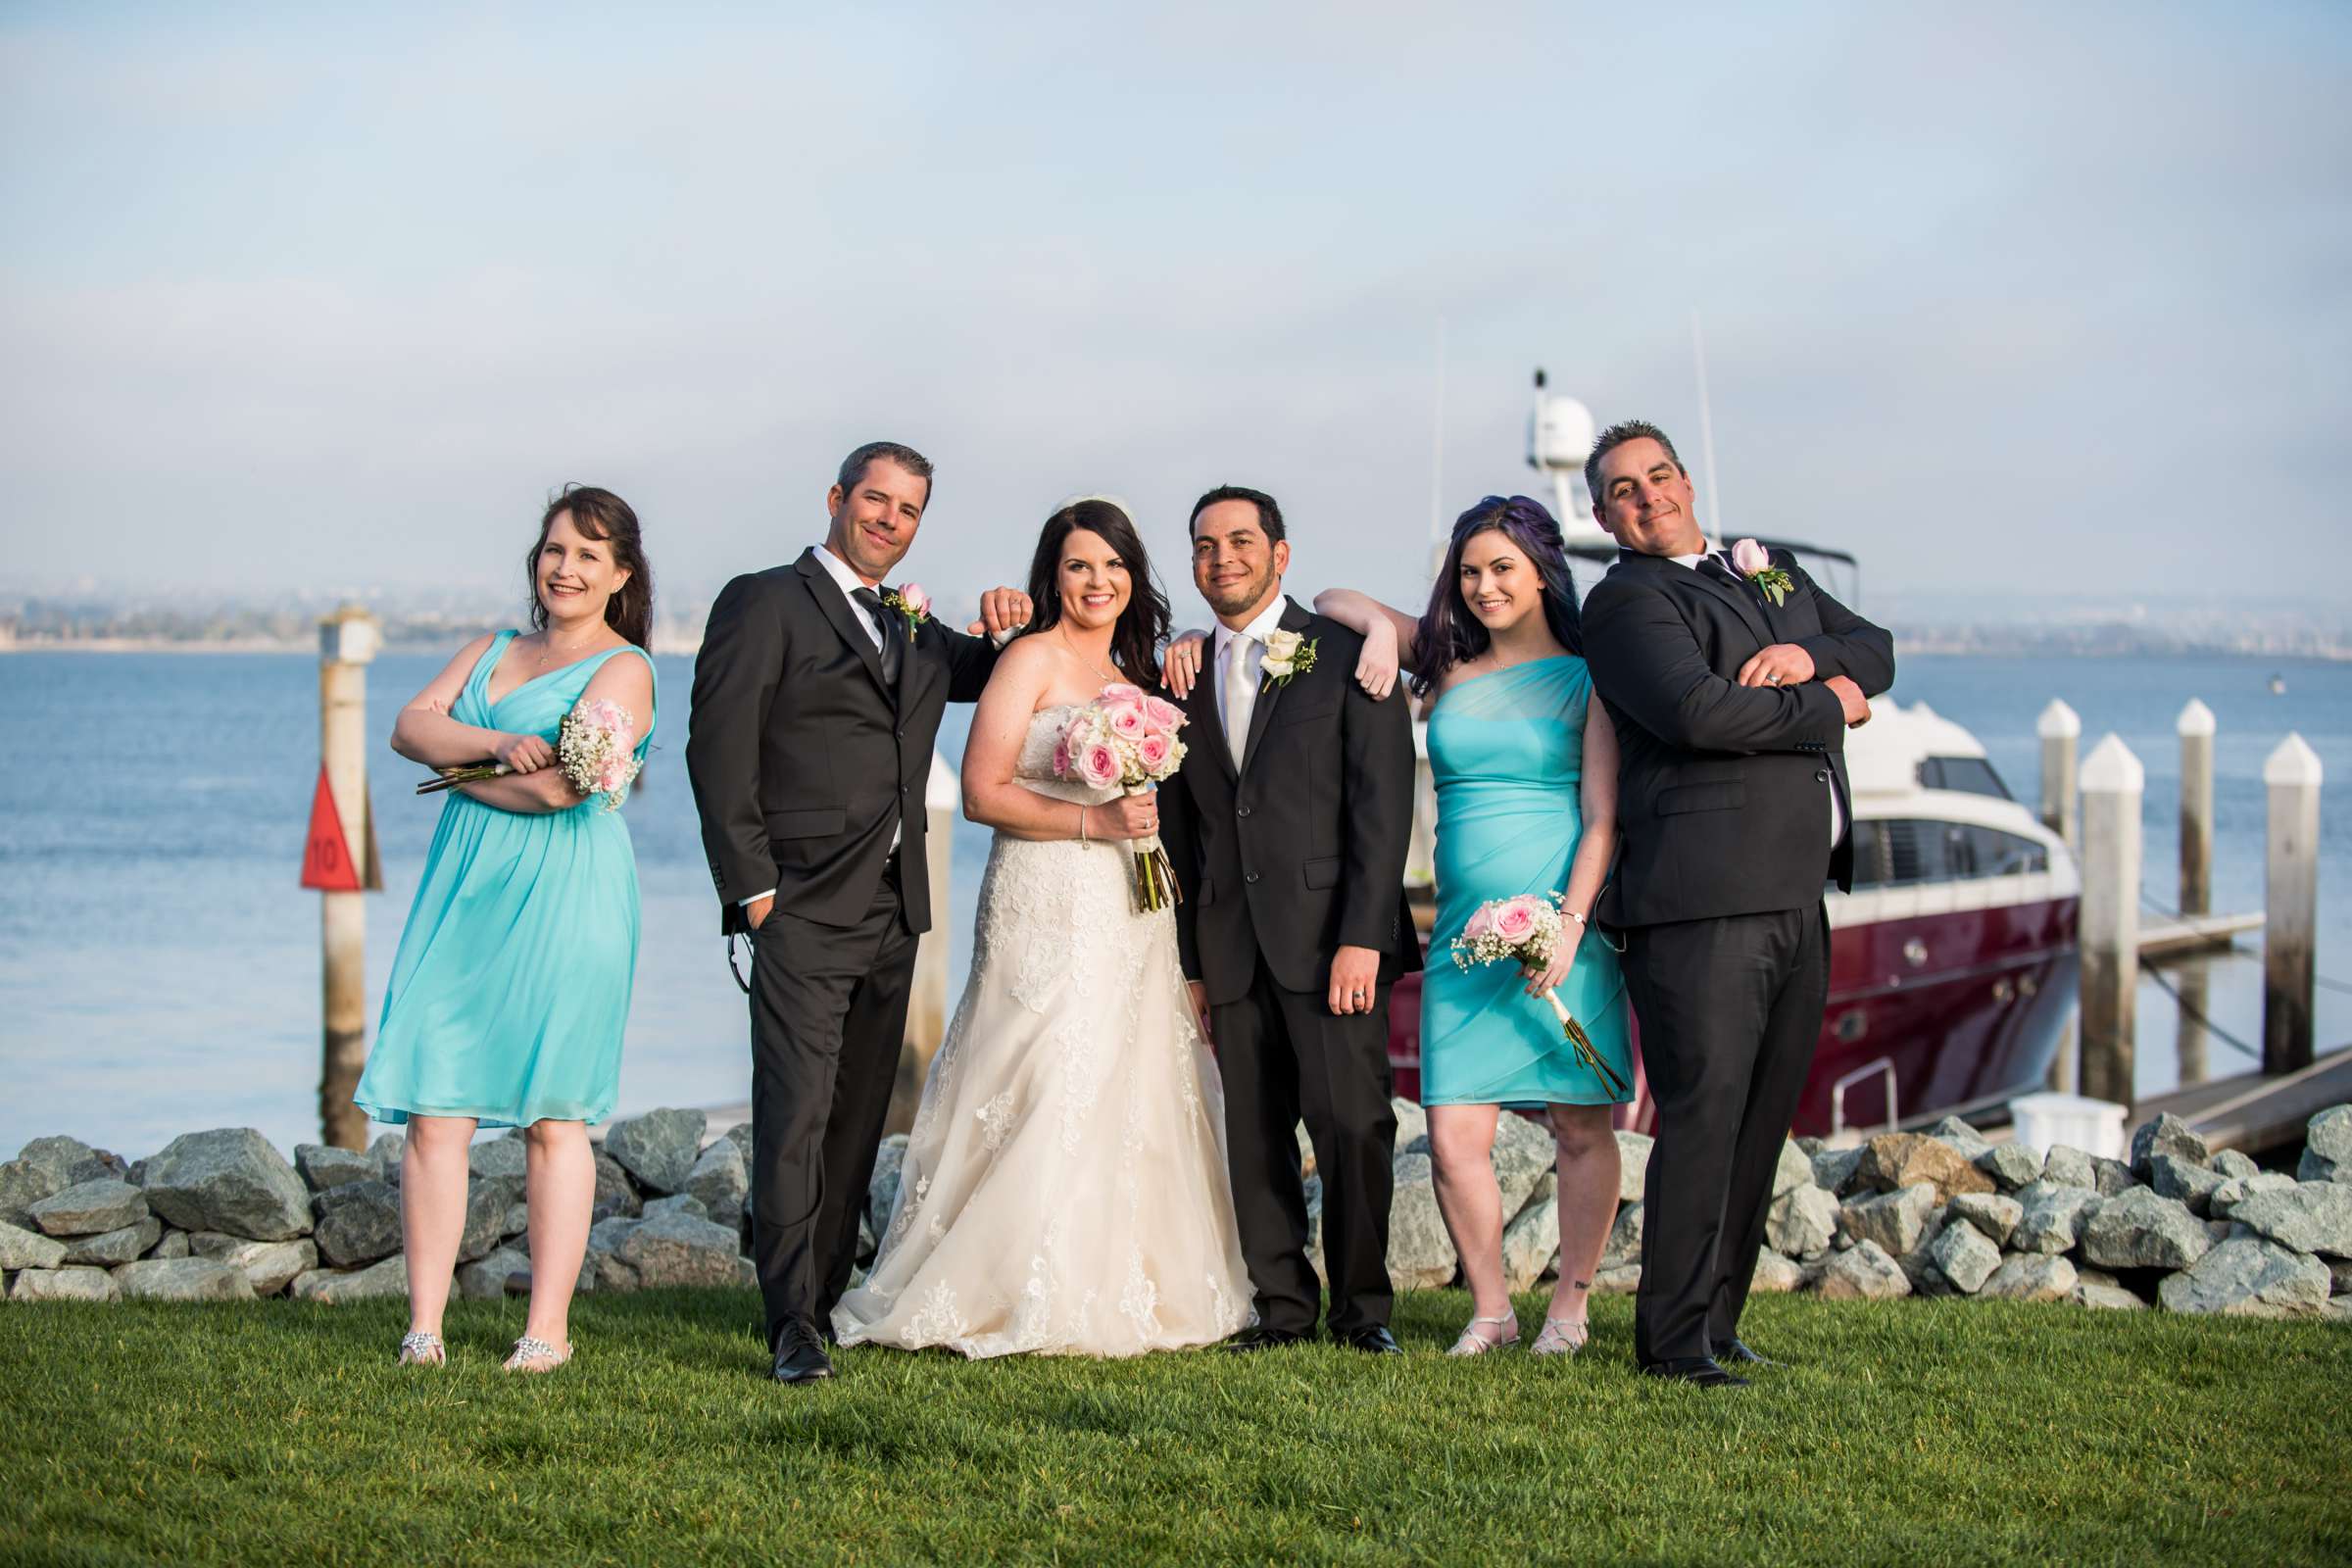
point(1837, 806)
point(1268, 622)
point(840, 572)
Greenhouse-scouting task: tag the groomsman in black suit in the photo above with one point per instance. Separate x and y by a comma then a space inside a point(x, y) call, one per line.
point(809, 744)
point(1732, 680)
point(1288, 826)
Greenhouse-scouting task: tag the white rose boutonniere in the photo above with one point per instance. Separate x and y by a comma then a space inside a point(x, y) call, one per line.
point(1287, 654)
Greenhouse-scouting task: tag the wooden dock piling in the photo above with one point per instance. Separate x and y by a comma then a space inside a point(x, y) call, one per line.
point(348, 640)
point(2060, 729)
point(2113, 781)
point(2291, 927)
point(2196, 727)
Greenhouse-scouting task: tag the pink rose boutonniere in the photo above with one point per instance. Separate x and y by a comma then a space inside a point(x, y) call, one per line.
point(912, 604)
point(1754, 564)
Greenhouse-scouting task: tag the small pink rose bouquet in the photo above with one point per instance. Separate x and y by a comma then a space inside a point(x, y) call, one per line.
point(1753, 564)
point(1126, 739)
point(1528, 930)
point(596, 747)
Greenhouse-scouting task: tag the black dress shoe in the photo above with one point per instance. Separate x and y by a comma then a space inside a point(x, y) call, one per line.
point(1698, 1369)
point(800, 1355)
point(1373, 1340)
point(1261, 1339)
point(1736, 1350)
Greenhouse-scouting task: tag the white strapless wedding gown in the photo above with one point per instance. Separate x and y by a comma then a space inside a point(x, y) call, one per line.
point(1064, 1187)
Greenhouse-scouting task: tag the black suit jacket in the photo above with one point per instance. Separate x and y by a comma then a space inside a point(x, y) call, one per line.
point(804, 759)
point(1301, 850)
point(1722, 804)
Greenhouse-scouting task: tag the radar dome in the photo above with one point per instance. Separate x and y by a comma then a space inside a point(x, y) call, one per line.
point(1560, 434)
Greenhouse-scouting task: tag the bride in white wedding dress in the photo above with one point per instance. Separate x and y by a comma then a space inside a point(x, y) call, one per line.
point(1065, 1189)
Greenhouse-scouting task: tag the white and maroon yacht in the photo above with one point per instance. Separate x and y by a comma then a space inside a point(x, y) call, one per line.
point(1952, 963)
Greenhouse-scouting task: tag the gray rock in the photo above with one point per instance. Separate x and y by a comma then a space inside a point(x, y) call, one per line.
point(271, 1266)
point(485, 1278)
point(1624, 1280)
point(2107, 1298)
point(499, 1158)
point(2337, 1309)
point(111, 1248)
point(2233, 1162)
point(2010, 1165)
point(1801, 1222)
point(1896, 1222)
point(2051, 1217)
point(89, 1209)
point(1919, 1263)
point(2248, 1277)
point(1838, 1170)
point(1532, 1240)
point(182, 1278)
point(1893, 1161)
point(2328, 1146)
point(658, 1148)
point(518, 1221)
point(2141, 1230)
point(616, 1193)
point(485, 1220)
point(719, 1179)
point(388, 1152)
point(2309, 1217)
point(1795, 1170)
point(606, 1235)
point(228, 1179)
point(677, 1203)
point(1412, 1129)
point(1864, 1273)
point(1966, 1258)
point(1991, 1213)
point(63, 1285)
point(2167, 1134)
point(331, 1287)
point(23, 1248)
point(2069, 1167)
point(747, 1275)
point(1623, 1247)
point(358, 1222)
point(1962, 1137)
point(23, 1185)
point(1306, 1148)
point(739, 1135)
point(882, 1188)
point(1522, 1156)
point(322, 1165)
point(1633, 1164)
point(2339, 1271)
point(2030, 1277)
point(2312, 1168)
point(2114, 1177)
point(1421, 1254)
point(2174, 1177)
point(71, 1161)
point(2224, 1199)
point(1313, 1188)
point(677, 1249)
point(1774, 1274)
point(171, 1244)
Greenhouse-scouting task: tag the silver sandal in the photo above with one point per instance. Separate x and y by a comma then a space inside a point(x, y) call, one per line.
point(1473, 1343)
point(528, 1350)
point(1561, 1336)
point(419, 1348)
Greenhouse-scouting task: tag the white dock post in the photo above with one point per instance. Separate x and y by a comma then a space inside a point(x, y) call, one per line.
point(2112, 783)
point(348, 640)
point(2196, 728)
point(2290, 924)
point(2060, 729)
point(928, 1008)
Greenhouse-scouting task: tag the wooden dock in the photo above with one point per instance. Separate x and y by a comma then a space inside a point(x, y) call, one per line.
point(2192, 934)
point(2255, 1114)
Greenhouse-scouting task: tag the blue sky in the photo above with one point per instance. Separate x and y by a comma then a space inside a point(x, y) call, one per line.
point(2053, 299)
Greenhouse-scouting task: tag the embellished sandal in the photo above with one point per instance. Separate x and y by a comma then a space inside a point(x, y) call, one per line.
point(418, 1348)
point(1473, 1343)
point(1561, 1336)
point(536, 1356)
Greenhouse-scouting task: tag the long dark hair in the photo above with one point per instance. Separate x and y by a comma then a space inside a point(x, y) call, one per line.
point(1448, 633)
point(603, 516)
point(1143, 625)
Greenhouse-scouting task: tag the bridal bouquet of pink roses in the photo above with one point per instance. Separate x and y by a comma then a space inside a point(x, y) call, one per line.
point(1528, 930)
point(1127, 738)
point(597, 748)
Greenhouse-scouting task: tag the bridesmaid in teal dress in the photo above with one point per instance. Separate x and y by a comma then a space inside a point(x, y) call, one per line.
point(1525, 769)
point(510, 987)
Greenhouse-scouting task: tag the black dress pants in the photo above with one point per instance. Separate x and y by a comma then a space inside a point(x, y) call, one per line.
point(1285, 1057)
point(1730, 1010)
point(828, 1018)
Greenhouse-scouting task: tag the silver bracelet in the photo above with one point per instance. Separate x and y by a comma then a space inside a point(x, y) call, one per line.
point(1082, 824)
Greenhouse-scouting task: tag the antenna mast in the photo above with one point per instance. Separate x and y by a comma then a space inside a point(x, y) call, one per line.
point(1706, 433)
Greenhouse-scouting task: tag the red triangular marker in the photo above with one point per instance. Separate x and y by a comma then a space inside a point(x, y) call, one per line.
point(326, 859)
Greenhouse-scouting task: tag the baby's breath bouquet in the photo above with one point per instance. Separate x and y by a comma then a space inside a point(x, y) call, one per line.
point(597, 748)
point(1528, 930)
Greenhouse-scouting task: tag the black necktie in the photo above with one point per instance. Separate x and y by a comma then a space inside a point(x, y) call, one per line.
point(887, 623)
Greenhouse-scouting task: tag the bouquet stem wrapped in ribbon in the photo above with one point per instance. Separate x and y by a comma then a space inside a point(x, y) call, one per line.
point(1127, 738)
point(597, 748)
point(1528, 930)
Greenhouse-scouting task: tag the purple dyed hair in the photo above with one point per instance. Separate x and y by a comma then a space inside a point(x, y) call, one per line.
point(1448, 633)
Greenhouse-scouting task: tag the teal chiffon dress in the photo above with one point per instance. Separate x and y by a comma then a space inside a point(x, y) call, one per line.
point(512, 984)
point(1507, 750)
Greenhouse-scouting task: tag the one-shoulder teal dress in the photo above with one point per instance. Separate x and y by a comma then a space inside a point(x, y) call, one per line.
point(1507, 750)
point(510, 987)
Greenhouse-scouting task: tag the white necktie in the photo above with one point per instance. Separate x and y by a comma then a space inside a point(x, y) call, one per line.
point(1241, 694)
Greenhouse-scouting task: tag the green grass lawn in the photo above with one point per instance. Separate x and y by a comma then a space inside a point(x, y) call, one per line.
point(1912, 1432)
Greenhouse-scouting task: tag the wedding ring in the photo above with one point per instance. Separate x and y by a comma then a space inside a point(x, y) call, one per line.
point(1773, 679)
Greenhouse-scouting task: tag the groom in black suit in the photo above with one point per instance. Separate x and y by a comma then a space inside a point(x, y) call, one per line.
point(1732, 691)
point(809, 744)
point(1287, 825)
